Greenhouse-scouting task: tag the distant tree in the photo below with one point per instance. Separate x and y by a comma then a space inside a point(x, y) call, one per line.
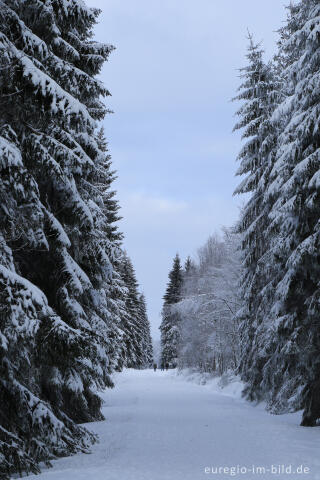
point(209, 336)
point(170, 326)
point(173, 291)
point(147, 347)
point(131, 343)
point(188, 265)
point(135, 326)
point(190, 277)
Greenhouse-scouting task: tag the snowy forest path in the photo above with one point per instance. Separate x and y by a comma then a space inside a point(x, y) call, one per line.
point(159, 426)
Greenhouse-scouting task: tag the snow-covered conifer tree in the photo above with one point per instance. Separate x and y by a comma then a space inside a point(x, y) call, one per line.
point(260, 93)
point(147, 347)
point(116, 290)
point(170, 325)
point(134, 321)
point(111, 204)
point(291, 375)
point(55, 261)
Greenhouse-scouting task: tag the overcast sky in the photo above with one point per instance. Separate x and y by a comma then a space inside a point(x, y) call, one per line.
point(172, 75)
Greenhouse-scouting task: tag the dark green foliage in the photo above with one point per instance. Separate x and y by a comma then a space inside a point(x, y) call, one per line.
point(147, 347)
point(174, 288)
point(170, 325)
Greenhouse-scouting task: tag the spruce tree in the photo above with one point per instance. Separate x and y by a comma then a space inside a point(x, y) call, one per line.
point(281, 354)
point(259, 93)
point(111, 204)
point(170, 325)
point(147, 348)
point(173, 291)
point(55, 254)
point(131, 322)
point(293, 369)
point(115, 288)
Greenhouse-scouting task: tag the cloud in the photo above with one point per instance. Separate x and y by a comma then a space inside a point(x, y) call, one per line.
point(150, 206)
point(177, 222)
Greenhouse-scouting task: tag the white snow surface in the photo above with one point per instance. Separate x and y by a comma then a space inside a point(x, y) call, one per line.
point(164, 426)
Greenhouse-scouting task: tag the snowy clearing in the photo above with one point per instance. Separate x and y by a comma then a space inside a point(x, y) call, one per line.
point(161, 426)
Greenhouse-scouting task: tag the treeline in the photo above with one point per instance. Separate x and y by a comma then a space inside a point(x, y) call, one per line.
point(70, 309)
point(279, 228)
point(199, 327)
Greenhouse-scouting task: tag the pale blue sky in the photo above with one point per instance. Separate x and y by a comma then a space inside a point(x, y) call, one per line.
point(172, 76)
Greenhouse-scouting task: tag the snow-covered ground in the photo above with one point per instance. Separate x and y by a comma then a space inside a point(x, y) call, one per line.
point(161, 426)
